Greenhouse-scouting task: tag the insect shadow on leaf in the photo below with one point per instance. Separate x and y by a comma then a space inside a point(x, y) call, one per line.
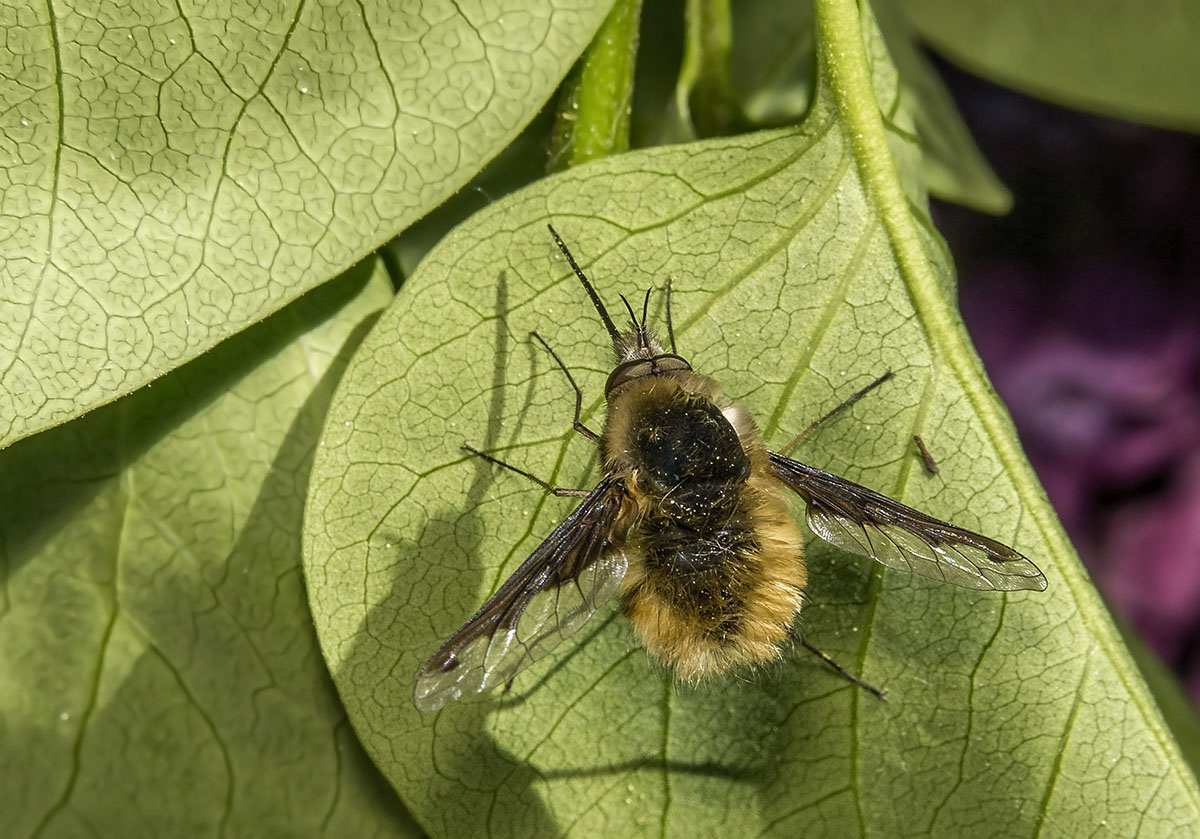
point(691, 525)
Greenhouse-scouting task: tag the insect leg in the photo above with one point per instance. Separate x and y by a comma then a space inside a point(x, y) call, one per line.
point(926, 457)
point(553, 490)
point(670, 328)
point(882, 694)
point(831, 414)
point(579, 426)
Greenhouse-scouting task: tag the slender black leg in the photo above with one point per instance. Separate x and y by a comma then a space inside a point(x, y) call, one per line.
point(670, 326)
point(830, 415)
point(579, 426)
point(553, 490)
point(846, 674)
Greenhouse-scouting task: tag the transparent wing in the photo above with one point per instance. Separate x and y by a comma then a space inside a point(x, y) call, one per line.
point(864, 522)
point(552, 594)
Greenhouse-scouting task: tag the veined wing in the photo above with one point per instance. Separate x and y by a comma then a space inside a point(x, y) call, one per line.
point(550, 596)
point(864, 522)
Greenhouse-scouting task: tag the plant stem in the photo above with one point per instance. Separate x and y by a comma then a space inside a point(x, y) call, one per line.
point(593, 116)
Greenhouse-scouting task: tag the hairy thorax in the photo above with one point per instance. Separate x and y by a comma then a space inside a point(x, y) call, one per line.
point(715, 560)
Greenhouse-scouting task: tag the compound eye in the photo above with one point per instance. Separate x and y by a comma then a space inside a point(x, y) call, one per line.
point(670, 364)
point(625, 373)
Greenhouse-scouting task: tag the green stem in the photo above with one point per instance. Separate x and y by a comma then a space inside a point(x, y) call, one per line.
point(593, 116)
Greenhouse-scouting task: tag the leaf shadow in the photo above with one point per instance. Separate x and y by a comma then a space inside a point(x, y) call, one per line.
point(379, 655)
point(217, 658)
point(50, 477)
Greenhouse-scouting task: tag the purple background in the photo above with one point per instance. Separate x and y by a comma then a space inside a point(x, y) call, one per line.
point(1083, 303)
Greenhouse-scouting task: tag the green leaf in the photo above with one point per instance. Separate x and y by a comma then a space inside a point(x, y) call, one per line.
point(171, 178)
point(158, 676)
point(1135, 59)
point(954, 168)
point(773, 63)
point(804, 265)
point(705, 96)
point(1173, 700)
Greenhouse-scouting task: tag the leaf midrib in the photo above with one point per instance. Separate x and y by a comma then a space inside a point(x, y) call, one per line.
point(841, 45)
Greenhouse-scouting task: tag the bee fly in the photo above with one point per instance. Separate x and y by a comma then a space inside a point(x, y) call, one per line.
point(691, 525)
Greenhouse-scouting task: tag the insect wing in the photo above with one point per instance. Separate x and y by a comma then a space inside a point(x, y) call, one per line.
point(864, 522)
point(554, 592)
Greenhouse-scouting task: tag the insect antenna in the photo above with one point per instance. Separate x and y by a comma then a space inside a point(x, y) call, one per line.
point(608, 324)
point(645, 307)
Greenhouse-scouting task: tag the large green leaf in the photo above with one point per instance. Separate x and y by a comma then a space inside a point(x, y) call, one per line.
point(172, 174)
point(158, 672)
point(804, 265)
point(1135, 59)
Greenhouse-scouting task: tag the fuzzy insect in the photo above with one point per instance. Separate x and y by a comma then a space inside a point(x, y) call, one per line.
point(691, 526)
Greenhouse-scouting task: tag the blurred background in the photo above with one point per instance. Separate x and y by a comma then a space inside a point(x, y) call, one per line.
point(1084, 305)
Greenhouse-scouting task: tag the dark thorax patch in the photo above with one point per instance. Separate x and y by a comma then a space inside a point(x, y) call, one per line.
point(698, 536)
point(691, 460)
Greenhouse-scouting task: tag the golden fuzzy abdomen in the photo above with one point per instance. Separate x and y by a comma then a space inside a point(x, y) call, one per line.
point(708, 602)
